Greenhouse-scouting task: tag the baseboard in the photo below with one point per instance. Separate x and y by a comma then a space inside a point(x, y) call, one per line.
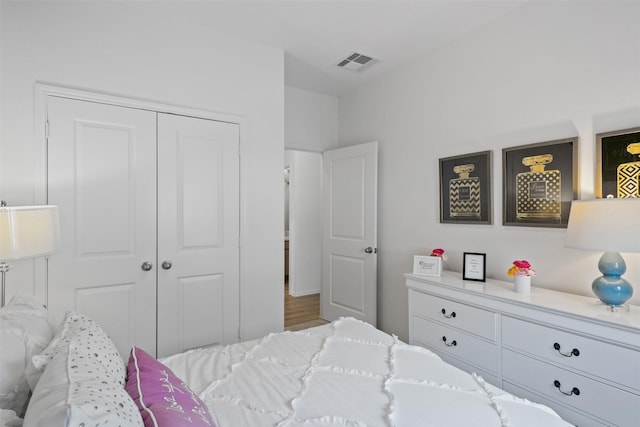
point(304, 293)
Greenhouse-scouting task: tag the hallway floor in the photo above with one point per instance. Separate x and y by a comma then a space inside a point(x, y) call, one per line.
point(301, 312)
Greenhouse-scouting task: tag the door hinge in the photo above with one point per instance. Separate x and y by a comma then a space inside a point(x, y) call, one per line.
point(46, 130)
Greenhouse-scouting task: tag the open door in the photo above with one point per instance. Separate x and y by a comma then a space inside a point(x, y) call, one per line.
point(349, 259)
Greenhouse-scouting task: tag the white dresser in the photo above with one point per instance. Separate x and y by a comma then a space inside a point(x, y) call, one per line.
point(559, 349)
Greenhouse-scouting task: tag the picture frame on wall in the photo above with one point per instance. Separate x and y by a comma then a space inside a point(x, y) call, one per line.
point(539, 182)
point(474, 266)
point(465, 188)
point(618, 163)
point(427, 265)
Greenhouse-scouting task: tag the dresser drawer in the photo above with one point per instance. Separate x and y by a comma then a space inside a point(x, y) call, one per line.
point(470, 319)
point(458, 363)
point(444, 339)
point(607, 361)
point(609, 403)
point(567, 414)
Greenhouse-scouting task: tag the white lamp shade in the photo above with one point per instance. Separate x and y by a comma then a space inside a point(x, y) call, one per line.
point(28, 231)
point(604, 225)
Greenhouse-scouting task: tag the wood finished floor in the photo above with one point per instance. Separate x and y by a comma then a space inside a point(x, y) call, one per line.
point(301, 312)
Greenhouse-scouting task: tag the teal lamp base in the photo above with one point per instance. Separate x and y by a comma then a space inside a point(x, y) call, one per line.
point(611, 288)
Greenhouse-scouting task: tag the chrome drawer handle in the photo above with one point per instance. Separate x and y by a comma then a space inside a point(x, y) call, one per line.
point(574, 352)
point(574, 390)
point(448, 316)
point(453, 343)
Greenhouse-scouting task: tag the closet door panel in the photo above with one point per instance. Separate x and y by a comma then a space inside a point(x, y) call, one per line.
point(204, 297)
point(101, 174)
point(198, 233)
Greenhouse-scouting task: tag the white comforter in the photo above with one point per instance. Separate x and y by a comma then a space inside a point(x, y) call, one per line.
point(346, 373)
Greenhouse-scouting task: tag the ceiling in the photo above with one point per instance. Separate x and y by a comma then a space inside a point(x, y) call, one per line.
point(317, 34)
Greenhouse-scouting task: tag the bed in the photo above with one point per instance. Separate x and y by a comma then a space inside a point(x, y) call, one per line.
point(346, 373)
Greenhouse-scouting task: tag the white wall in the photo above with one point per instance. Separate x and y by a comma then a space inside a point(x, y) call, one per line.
point(305, 223)
point(311, 120)
point(125, 49)
point(548, 70)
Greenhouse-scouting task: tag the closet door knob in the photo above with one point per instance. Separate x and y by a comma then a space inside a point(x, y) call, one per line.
point(166, 265)
point(146, 266)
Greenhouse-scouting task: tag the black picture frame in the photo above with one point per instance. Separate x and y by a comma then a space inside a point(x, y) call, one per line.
point(611, 154)
point(474, 266)
point(539, 182)
point(466, 200)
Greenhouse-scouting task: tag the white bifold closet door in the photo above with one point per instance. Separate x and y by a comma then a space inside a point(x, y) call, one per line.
point(149, 217)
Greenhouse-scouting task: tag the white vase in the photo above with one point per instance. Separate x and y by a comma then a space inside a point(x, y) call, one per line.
point(523, 284)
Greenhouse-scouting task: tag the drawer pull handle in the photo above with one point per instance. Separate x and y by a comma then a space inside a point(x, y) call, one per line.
point(574, 390)
point(574, 352)
point(448, 316)
point(453, 343)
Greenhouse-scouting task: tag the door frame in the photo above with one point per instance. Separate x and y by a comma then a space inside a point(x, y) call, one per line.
point(43, 90)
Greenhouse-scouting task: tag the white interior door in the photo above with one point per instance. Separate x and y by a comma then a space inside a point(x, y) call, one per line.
point(349, 276)
point(101, 174)
point(198, 233)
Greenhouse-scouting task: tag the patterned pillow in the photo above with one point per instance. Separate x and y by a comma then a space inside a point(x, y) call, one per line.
point(76, 389)
point(94, 341)
point(164, 400)
point(24, 332)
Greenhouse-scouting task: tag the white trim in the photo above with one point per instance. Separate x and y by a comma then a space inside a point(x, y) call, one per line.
point(308, 148)
point(43, 90)
point(305, 293)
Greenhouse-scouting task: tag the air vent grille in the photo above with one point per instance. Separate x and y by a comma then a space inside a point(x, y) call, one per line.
point(356, 62)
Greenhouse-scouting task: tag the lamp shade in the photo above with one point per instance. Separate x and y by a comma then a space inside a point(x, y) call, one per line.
point(28, 231)
point(606, 225)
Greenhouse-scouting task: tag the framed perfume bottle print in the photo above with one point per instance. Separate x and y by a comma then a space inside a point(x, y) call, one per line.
point(539, 182)
point(618, 163)
point(465, 188)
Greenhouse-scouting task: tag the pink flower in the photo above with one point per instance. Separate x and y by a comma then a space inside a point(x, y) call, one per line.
point(521, 268)
point(437, 252)
point(522, 264)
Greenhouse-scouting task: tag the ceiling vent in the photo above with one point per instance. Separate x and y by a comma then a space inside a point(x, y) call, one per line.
point(356, 62)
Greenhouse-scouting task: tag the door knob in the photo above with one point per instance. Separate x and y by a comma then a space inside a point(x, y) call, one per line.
point(166, 265)
point(146, 266)
point(368, 250)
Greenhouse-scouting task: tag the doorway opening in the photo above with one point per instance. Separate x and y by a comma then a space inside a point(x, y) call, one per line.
point(302, 239)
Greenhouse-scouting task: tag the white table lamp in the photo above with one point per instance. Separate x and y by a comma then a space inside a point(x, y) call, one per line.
point(609, 226)
point(26, 232)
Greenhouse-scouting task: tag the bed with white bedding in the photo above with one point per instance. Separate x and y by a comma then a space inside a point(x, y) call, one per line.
point(346, 373)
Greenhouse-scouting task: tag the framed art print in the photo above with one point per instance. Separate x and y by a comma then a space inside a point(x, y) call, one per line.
point(465, 189)
point(473, 266)
point(618, 163)
point(427, 265)
point(539, 182)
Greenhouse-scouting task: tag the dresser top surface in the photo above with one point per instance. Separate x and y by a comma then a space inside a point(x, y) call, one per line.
point(555, 301)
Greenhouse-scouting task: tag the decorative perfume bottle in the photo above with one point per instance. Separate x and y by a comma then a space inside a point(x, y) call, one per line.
point(629, 175)
point(464, 193)
point(538, 191)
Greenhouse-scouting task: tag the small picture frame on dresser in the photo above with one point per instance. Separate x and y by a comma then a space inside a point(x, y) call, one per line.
point(473, 266)
point(427, 265)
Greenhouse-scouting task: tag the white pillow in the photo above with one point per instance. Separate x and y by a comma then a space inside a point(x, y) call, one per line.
point(94, 341)
point(9, 418)
point(76, 389)
point(24, 332)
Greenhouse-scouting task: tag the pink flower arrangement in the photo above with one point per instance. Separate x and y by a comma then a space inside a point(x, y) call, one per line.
point(438, 252)
point(521, 268)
